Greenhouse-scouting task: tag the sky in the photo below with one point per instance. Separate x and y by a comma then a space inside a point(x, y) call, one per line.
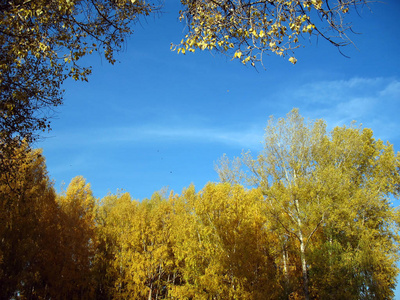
point(158, 120)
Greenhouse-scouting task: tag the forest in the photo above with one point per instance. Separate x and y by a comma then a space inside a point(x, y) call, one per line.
point(309, 217)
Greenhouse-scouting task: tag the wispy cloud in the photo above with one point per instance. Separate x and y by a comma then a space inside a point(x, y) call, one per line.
point(246, 137)
point(374, 102)
point(116, 136)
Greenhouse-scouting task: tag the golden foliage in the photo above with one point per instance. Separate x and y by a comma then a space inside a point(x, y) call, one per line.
point(246, 30)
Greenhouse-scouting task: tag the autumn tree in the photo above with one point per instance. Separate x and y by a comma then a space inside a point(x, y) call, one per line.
point(41, 44)
point(222, 245)
point(78, 240)
point(29, 231)
point(329, 196)
point(113, 213)
point(249, 29)
point(135, 252)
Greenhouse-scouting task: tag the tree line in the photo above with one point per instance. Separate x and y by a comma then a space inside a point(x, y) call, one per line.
point(309, 217)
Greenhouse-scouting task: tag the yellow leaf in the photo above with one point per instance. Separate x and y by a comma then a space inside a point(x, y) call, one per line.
point(293, 60)
point(238, 54)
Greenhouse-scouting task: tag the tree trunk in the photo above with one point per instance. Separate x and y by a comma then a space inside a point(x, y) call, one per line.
point(302, 255)
point(304, 266)
point(284, 257)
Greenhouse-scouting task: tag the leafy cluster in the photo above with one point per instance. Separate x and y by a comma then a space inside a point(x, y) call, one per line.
point(247, 29)
point(41, 43)
point(317, 224)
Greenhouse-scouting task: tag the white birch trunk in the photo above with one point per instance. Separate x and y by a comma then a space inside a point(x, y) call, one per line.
point(302, 255)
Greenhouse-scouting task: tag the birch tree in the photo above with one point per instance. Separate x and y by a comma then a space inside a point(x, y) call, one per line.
point(328, 194)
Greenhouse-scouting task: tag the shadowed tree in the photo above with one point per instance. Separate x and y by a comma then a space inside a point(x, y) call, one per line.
point(29, 227)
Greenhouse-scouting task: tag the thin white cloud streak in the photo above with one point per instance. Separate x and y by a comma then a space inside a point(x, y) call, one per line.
point(244, 138)
point(249, 138)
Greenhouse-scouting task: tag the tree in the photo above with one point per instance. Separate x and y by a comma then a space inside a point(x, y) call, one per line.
point(222, 245)
point(29, 227)
point(78, 240)
point(328, 194)
point(113, 215)
point(135, 252)
point(248, 29)
point(41, 43)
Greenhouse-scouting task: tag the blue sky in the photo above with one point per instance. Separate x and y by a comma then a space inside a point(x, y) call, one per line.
point(158, 119)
